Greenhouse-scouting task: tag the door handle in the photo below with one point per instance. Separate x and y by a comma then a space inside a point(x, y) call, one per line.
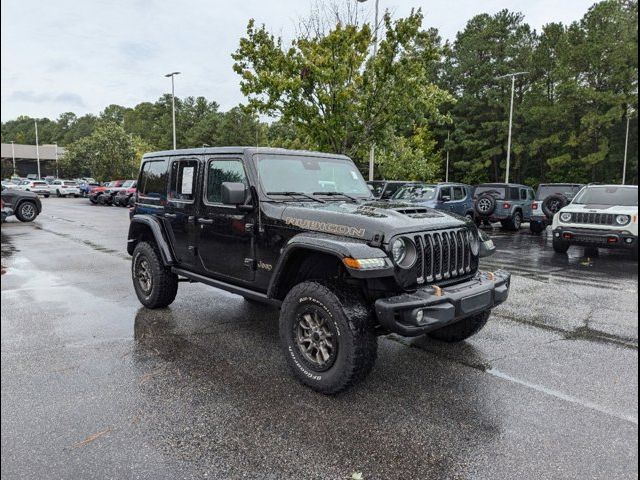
point(205, 221)
point(170, 215)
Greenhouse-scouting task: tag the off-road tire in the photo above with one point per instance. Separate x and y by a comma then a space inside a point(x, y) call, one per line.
point(485, 205)
point(461, 330)
point(557, 200)
point(536, 228)
point(349, 316)
point(560, 245)
point(46, 195)
point(164, 283)
point(27, 211)
point(513, 223)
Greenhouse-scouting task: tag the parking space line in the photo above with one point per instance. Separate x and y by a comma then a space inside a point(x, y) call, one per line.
point(563, 396)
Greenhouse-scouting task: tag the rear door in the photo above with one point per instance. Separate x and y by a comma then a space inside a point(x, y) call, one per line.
point(225, 234)
point(525, 203)
point(180, 209)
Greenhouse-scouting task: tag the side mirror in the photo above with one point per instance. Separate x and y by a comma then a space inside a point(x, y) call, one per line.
point(233, 193)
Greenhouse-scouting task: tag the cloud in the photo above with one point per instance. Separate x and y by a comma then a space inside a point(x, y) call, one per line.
point(137, 51)
point(66, 98)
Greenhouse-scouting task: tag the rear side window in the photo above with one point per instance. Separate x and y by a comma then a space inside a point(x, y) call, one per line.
point(445, 192)
point(459, 193)
point(153, 178)
point(183, 178)
point(523, 194)
point(514, 193)
point(220, 171)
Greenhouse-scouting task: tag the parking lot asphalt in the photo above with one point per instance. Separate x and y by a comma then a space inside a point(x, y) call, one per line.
point(95, 386)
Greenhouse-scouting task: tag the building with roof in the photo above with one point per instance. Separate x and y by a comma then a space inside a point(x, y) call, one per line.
point(25, 158)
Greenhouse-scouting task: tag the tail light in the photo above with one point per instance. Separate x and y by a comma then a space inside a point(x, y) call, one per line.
point(506, 205)
point(534, 205)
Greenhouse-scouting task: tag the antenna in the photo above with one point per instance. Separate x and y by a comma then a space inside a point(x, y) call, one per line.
point(260, 228)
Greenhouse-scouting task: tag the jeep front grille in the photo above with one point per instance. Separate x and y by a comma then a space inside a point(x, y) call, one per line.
point(444, 255)
point(593, 218)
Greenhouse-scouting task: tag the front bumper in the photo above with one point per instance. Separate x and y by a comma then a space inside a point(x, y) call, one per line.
point(441, 307)
point(590, 237)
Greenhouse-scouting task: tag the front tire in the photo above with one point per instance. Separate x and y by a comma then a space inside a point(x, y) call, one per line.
point(560, 246)
point(155, 285)
point(327, 336)
point(461, 330)
point(27, 211)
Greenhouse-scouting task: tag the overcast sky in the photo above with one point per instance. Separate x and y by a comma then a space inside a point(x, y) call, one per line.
point(82, 55)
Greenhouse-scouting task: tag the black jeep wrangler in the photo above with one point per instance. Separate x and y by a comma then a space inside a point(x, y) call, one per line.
point(301, 231)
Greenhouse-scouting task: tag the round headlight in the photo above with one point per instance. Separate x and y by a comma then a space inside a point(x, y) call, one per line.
point(403, 252)
point(565, 217)
point(622, 219)
point(474, 243)
point(398, 250)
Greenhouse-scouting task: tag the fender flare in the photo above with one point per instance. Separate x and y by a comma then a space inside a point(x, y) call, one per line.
point(331, 245)
point(151, 223)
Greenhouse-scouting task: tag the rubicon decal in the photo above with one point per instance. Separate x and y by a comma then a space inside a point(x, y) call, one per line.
point(325, 227)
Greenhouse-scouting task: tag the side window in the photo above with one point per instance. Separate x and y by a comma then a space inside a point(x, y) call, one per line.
point(445, 192)
point(459, 193)
point(523, 194)
point(183, 177)
point(514, 193)
point(532, 195)
point(220, 171)
point(153, 178)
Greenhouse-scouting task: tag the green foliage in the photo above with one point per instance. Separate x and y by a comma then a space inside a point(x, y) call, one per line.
point(108, 153)
point(411, 158)
point(332, 92)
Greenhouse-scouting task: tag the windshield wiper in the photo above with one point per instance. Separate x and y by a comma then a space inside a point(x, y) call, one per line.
point(333, 194)
point(298, 194)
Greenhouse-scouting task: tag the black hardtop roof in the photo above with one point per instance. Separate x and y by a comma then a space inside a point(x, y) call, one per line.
point(561, 183)
point(502, 185)
point(241, 151)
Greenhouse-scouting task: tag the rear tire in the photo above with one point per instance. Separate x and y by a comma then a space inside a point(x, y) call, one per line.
point(560, 246)
point(514, 223)
point(461, 330)
point(155, 285)
point(327, 336)
point(27, 211)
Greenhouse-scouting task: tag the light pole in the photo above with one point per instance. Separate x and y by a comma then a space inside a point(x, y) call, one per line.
point(446, 178)
point(513, 87)
point(372, 151)
point(13, 156)
point(37, 148)
point(173, 104)
point(630, 111)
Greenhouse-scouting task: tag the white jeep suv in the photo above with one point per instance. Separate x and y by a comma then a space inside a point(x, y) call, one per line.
point(600, 216)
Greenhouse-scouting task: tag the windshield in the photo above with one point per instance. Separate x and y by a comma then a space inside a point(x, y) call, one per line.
point(310, 175)
point(568, 191)
point(498, 192)
point(622, 196)
point(420, 191)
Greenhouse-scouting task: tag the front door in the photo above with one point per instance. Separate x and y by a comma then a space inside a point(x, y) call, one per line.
point(180, 208)
point(225, 238)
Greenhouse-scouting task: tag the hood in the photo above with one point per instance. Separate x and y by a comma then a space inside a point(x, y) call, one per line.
point(613, 209)
point(368, 220)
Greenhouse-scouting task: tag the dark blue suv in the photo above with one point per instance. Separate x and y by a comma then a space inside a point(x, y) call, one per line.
point(450, 197)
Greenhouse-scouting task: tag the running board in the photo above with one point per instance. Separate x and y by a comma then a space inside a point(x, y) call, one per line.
point(227, 287)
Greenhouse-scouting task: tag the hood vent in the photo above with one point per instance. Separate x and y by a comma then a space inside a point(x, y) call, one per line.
point(418, 212)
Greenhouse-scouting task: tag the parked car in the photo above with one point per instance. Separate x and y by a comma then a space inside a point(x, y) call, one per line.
point(450, 197)
point(39, 187)
point(384, 189)
point(95, 192)
point(24, 204)
point(600, 216)
point(62, 188)
point(86, 187)
point(510, 204)
point(302, 232)
point(107, 197)
point(550, 199)
point(125, 196)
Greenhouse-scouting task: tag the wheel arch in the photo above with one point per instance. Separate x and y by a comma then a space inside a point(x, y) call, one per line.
point(146, 227)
